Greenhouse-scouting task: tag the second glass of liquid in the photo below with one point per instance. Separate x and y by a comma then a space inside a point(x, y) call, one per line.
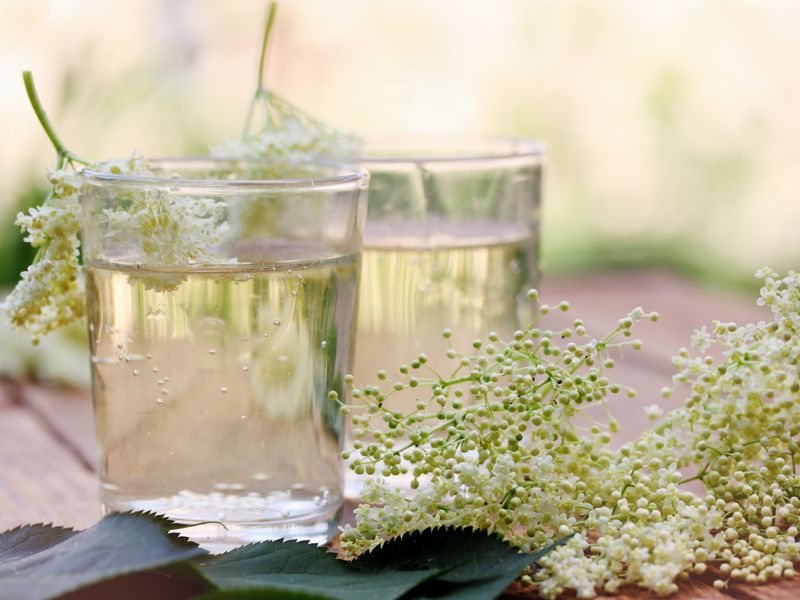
point(451, 241)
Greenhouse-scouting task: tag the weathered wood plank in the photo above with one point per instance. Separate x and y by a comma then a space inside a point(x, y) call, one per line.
point(68, 414)
point(39, 481)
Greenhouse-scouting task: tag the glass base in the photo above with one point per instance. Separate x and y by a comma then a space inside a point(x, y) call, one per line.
point(220, 534)
point(218, 538)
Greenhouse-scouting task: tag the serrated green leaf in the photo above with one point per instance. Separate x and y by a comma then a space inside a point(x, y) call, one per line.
point(457, 564)
point(289, 569)
point(477, 589)
point(40, 562)
point(473, 564)
point(29, 539)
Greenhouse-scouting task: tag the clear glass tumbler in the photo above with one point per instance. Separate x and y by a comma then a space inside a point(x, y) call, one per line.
point(451, 241)
point(221, 313)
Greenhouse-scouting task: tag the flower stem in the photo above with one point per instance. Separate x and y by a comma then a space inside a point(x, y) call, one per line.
point(44, 120)
point(262, 57)
point(261, 94)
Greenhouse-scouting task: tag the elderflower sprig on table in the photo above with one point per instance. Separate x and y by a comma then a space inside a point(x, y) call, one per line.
point(497, 441)
point(497, 445)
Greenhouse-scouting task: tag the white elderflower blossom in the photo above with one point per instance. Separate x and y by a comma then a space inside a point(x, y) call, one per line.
point(172, 229)
point(496, 446)
point(291, 141)
point(286, 137)
point(50, 291)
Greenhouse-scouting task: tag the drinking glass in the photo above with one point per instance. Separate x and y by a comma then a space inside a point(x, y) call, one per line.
point(451, 241)
point(221, 311)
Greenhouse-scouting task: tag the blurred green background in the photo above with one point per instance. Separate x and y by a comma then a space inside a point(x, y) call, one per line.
point(672, 128)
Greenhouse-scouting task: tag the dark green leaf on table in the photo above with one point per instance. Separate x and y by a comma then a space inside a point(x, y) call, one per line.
point(29, 539)
point(289, 569)
point(133, 554)
point(437, 563)
point(40, 561)
point(471, 564)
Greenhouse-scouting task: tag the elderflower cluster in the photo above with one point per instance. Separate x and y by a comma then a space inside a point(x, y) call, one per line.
point(281, 149)
point(171, 230)
point(50, 292)
point(289, 139)
point(739, 433)
point(498, 445)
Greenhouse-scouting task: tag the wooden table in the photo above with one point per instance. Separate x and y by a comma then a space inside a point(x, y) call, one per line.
point(47, 447)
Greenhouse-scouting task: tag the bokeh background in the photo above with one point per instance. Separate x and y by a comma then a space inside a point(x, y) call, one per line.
point(672, 128)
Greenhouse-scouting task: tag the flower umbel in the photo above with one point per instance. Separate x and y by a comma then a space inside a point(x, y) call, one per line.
point(505, 442)
point(172, 230)
point(287, 136)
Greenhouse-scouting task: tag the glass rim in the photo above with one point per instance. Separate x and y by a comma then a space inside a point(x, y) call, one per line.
point(352, 176)
point(475, 149)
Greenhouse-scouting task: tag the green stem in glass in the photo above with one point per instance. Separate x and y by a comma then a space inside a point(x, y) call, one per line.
point(64, 154)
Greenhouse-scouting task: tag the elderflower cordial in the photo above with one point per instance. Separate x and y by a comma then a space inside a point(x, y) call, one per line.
point(497, 444)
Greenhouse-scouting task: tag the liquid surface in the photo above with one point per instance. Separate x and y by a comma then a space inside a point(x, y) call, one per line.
point(211, 389)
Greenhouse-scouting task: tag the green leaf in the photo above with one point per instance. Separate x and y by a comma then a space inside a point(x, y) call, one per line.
point(29, 539)
point(458, 564)
point(41, 561)
point(289, 569)
point(473, 564)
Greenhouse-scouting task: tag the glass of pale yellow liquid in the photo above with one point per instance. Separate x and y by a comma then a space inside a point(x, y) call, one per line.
point(221, 306)
point(451, 241)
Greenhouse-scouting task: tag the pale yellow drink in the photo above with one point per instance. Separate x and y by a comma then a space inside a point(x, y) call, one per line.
point(211, 389)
